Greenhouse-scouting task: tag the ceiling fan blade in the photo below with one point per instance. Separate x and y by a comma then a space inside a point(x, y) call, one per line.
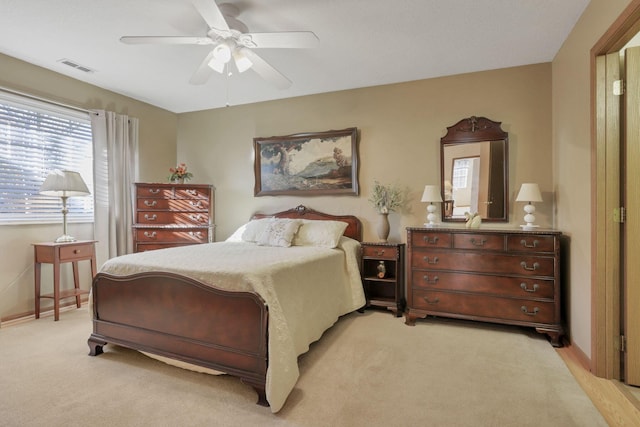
point(165, 40)
point(203, 72)
point(211, 14)
point(288, 39)
point(266, 71)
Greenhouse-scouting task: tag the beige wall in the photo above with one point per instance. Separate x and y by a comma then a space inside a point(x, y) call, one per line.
point(400, 129)
point(572, 156)
point(157, 149)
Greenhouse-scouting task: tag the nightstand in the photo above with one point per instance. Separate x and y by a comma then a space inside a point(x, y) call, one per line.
point(383, 275)
point(56, 254)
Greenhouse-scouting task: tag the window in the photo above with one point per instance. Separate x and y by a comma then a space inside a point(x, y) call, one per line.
point(460, 172)
point(36, 138)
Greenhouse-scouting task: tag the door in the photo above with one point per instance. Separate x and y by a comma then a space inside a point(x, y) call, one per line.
point(631, 230)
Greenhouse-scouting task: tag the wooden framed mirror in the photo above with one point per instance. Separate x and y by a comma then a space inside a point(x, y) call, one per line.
point(474, 162)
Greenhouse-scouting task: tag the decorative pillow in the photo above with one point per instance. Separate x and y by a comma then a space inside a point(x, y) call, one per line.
point(255, 228)
point(279, 232)
point(325, 234)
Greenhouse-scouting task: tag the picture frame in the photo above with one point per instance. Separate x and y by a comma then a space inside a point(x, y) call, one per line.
point(307, 164)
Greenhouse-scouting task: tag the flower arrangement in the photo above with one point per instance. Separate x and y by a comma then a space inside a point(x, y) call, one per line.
point(179, 173)
point(386, 198)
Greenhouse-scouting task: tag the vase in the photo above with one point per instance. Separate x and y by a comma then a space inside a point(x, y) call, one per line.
point(178, 181)
point(383, 227)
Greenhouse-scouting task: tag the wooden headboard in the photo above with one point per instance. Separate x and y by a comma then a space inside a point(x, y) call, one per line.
point(353, 231)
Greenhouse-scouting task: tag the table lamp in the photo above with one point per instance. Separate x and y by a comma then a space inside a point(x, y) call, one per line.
point(431, 194)
point(529, 192)
point(64, 184)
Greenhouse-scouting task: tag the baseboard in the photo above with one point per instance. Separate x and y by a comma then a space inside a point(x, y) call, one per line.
point(25, 317)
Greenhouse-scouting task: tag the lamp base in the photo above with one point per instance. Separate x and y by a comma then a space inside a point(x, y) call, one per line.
point(529, 227)
point(431, 224)
point(65, 238)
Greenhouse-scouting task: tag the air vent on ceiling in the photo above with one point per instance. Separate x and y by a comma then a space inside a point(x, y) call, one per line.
point(75, 65)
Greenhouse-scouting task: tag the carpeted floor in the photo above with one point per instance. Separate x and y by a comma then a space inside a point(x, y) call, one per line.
point(368, 370)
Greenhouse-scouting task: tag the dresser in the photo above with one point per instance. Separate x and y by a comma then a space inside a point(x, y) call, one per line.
point(167, 215)
point(501, 276)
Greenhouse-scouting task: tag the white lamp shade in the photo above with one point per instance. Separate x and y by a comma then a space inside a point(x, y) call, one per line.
point(431, 194)
point(64, 184)
point(529, 192)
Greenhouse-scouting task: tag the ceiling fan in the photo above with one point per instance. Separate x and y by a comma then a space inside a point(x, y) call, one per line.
point(230, 39)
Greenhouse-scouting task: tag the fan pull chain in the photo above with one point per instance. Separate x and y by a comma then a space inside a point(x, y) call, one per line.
point(228, 73)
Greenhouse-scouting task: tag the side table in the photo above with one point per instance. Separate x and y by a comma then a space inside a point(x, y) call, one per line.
point(56, 254)
point(383, 275)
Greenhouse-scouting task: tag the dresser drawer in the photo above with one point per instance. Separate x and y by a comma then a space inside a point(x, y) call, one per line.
point(192, 193)
point(532, 243)
point(503, 309)
point(520, 287)
point(180, 218)
point(199, 235)
point(430, 240)
point(149, 204)
point(479, 262)
point(380, 252)
point(143, 247)
point(495, 242)
point(152, 191)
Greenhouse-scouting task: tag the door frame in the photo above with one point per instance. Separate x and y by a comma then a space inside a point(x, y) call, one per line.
point(605, 184)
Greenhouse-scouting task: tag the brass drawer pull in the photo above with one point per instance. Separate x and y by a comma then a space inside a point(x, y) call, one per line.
point(150, 217)
point(197, 204)
point(154, 190)
point(151, 235)
point(150, 204)
point(430, 281)
point(475, 242)
point(435, 301)
point(195, 233)
point(524, 287)
point(76, 251)
point(430, 261)
point(529, 313)
point(192, 192)
point(380, 252)
point(198, 217)
point(534, 268)
point(431, 241)
point(524, 243)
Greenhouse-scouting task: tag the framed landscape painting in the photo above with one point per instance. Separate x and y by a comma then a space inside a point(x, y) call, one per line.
point(307, 164)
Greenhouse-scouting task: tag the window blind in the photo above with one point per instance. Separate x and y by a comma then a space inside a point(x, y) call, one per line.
point(35, 139)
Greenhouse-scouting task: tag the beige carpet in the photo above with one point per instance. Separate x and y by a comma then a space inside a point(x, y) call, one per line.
point(368, 370)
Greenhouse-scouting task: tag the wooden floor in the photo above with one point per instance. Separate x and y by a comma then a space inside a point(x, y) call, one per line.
point(618, 403)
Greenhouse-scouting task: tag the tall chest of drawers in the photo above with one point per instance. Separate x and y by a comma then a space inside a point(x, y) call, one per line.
point(501, 276)
point(167, 215)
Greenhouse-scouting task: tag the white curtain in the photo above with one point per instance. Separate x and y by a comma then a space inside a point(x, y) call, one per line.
point(115, 145)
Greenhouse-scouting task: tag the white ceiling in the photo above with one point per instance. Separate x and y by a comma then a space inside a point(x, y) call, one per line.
point(362, 43)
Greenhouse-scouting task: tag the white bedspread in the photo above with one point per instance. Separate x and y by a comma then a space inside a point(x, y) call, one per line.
point(306, 288)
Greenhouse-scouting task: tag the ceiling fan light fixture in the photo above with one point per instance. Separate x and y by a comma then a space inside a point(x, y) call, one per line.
point(222, 53)
point(216, 65)
point(243, 63)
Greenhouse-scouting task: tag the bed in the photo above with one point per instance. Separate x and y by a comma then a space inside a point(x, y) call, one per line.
point(246, 307)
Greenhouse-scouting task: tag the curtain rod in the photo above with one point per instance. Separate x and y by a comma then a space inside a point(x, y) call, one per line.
point(48, 101)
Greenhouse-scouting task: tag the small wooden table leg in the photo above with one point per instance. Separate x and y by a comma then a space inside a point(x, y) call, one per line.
point(76, 282)
point(36, 269)
point(56, 290)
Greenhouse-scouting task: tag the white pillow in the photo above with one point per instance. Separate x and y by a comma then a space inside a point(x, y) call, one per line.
point(325, 234)
point(279, 232)
point(254, 229)
point(237, 235)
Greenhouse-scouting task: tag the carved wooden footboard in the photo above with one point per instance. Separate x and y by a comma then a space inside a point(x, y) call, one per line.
point(180, 318)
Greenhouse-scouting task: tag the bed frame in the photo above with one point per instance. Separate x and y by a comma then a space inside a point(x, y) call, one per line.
point(183, 319)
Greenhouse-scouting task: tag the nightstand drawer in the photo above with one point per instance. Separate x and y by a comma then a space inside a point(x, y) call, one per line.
point(76, 252)
point(380, 252)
